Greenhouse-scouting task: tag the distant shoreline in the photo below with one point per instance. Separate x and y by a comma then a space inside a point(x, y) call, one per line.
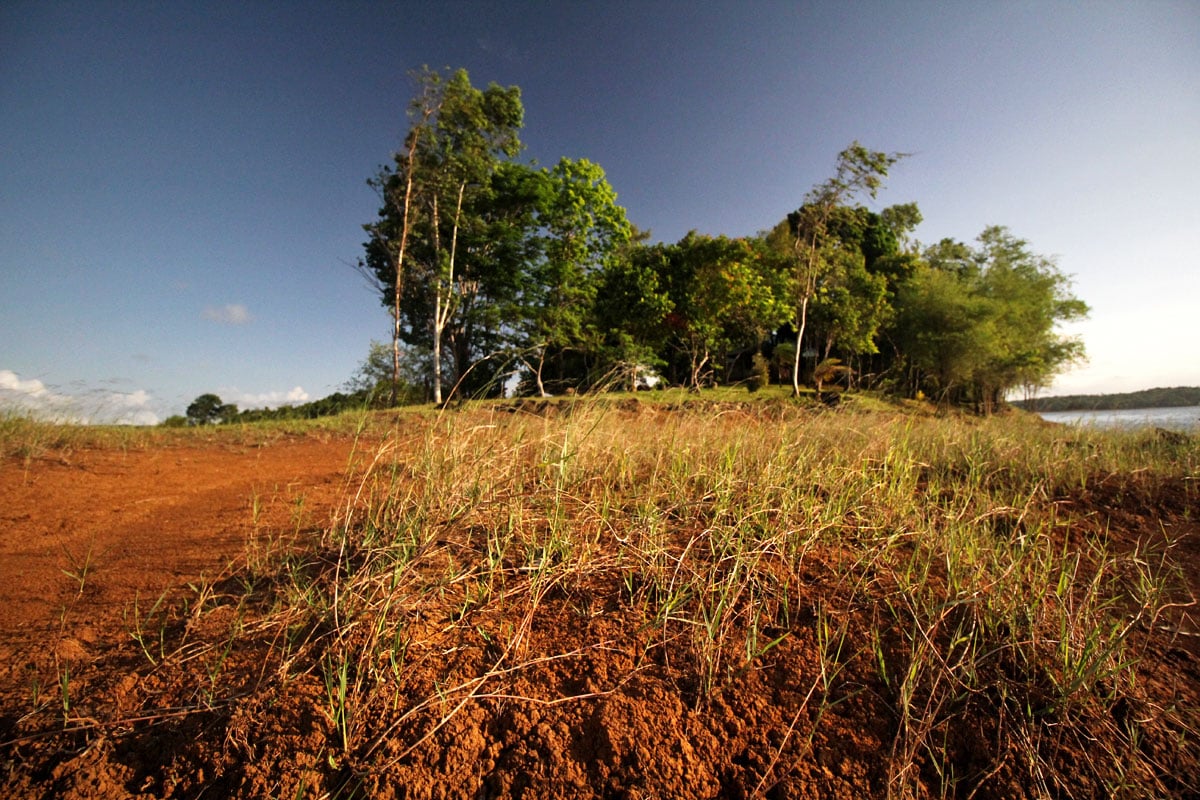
point(1173, 397)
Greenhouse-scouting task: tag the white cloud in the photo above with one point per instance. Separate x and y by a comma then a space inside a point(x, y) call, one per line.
point(231, 314)
point(31, 396)
point(11, 383)
point(264, 399)
point(130, 408)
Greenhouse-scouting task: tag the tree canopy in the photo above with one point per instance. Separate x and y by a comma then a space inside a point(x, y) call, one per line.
point(974, 323)
point(209, 409)
point(495, 270)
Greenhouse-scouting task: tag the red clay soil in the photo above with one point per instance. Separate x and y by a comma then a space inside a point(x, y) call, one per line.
point(127, 524)
point(85, 534)
point(85, 538)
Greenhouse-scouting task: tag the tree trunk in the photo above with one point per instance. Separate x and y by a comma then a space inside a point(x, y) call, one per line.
point(437, 307)
point(799, 341)
point(810, 288)
point(399, 289)
point(443, 302)
point(697, 367)
point(538, 373)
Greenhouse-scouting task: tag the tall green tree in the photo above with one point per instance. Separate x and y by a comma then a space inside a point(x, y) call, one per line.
point(941, 332)
point(458, 137)
point(473, 130)
point(726, 294)
point(1029, 296)
point(384, 263)
point(901, 220)
point(500, 250)
point(975, 323)
point(859, 171)
point(583, 232)
point(208, 409)
point(628, 320)
point(849, 306)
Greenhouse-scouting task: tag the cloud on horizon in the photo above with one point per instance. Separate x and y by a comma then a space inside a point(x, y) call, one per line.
point(31, 396)
point(230, 314)
point(264, 399)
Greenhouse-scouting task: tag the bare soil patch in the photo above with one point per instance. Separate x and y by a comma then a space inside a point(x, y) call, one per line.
point(83, 534)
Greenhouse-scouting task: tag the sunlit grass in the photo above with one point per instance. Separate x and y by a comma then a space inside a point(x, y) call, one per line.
point(25, 436)
point(935, 563)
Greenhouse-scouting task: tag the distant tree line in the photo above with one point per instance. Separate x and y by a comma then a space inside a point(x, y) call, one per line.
point(209, 409)
point(493, 271)
point(1173, 397)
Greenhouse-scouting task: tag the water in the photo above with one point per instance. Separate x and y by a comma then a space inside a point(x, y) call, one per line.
point(1186, 418)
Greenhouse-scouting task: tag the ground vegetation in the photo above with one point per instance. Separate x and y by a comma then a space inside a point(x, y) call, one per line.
point(701, 596)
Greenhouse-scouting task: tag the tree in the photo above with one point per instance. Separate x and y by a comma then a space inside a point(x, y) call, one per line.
point(583, 232)
point(386, 248)
point(499, 250)
point(375, 380)
point(726, 294)
point(1029, 296)
point(859, 171)
point(457, 139)
point(374, 371)
point(831, 369)
point(976, 323)
point(628, 317)
point(207, 409)
point(941, 331)
point(849, 304)
point(902, 219)
point(473, 130)
point(855, 294)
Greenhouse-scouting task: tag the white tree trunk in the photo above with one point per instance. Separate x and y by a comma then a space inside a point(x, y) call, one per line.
point(444, 300)
point(799, 346)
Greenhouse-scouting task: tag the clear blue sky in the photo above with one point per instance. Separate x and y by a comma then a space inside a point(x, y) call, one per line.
point(183, 185)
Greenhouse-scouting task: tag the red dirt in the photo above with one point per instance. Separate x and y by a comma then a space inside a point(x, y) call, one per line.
point(141, 521)
point(145, 522)
point(85, 534)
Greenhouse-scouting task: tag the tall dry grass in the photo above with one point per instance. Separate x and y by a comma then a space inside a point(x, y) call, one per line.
point(940, 551)
point(937, 563)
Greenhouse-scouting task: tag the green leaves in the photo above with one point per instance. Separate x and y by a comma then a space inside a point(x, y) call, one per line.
point(207, 409)
point(815, 236)
point(497, 263)
point(976, 323)
point(434, 199)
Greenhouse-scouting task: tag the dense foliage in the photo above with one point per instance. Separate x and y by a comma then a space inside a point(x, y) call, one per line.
point(208, 409)
point(497, 273)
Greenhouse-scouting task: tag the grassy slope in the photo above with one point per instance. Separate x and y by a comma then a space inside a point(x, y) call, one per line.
point(945, 571)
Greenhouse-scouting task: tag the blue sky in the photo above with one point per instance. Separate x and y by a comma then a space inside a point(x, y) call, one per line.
point(183, 185)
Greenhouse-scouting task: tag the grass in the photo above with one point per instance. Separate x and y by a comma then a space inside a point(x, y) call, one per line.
point(939, 537)
point(23, 436)
point(141, 625)
point(932, 566)
point(79, 566)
